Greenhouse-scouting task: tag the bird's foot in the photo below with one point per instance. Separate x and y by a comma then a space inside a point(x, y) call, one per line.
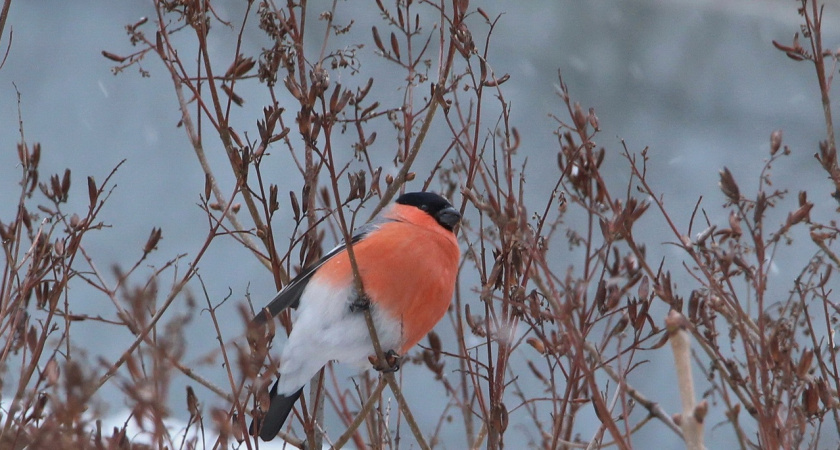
point(360, 303)
point(391, 363)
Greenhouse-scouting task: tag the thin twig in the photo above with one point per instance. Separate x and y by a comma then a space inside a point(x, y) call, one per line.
point(360, 417)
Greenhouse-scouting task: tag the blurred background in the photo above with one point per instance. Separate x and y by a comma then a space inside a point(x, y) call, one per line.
point(699, 83)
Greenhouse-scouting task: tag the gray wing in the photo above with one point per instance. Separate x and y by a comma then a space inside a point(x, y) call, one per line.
point(290, 295)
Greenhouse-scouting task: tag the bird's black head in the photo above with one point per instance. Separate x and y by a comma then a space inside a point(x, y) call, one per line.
point(434, 205)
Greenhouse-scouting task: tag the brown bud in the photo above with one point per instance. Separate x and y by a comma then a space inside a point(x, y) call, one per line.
point(538, 345)
point(192, 402)
point(52, 372)
point(735, 223)
point(700, 411)
point(578, 117)
point(729, 186)
point(775, 141)
point(152, 242)
point(58, 247)
point(805, 363)
point(395, 46)
point(208, 186)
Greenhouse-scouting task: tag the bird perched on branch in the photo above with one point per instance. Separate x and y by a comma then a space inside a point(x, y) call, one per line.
point(408, 263)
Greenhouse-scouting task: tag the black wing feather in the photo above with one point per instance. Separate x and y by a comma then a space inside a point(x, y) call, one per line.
point(289, 297)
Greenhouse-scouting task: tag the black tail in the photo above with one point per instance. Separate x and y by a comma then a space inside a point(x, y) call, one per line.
point(278, 410)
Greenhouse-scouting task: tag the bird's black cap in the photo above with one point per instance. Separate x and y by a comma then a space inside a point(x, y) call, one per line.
point(435, 205)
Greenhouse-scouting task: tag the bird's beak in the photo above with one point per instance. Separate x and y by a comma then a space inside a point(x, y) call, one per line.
point(448, 217)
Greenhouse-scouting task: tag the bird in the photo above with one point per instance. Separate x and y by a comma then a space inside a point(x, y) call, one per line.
point(408, 261)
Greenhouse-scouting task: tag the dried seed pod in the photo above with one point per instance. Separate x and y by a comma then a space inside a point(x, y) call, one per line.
point(273, 203)
point(295, 205)
point(378, 41)
point(234, 97)
point(729, 186)
point(370, 108)
point(208, 186)
point(113, 57)
point(644, 288)
point(293, 88)
point(159, 42)
point(363, 92)
point(811, 400)
point(65, 185)
point(497, 81)
point(395, 46)
point(369, 141)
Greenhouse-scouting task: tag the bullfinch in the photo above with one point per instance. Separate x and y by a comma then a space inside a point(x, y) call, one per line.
point(408, 263)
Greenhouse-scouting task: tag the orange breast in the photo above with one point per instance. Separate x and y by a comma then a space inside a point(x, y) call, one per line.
point(408, 270)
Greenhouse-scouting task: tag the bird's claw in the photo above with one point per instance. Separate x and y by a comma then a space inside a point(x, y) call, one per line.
point(360, 303)
point(391, 363)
